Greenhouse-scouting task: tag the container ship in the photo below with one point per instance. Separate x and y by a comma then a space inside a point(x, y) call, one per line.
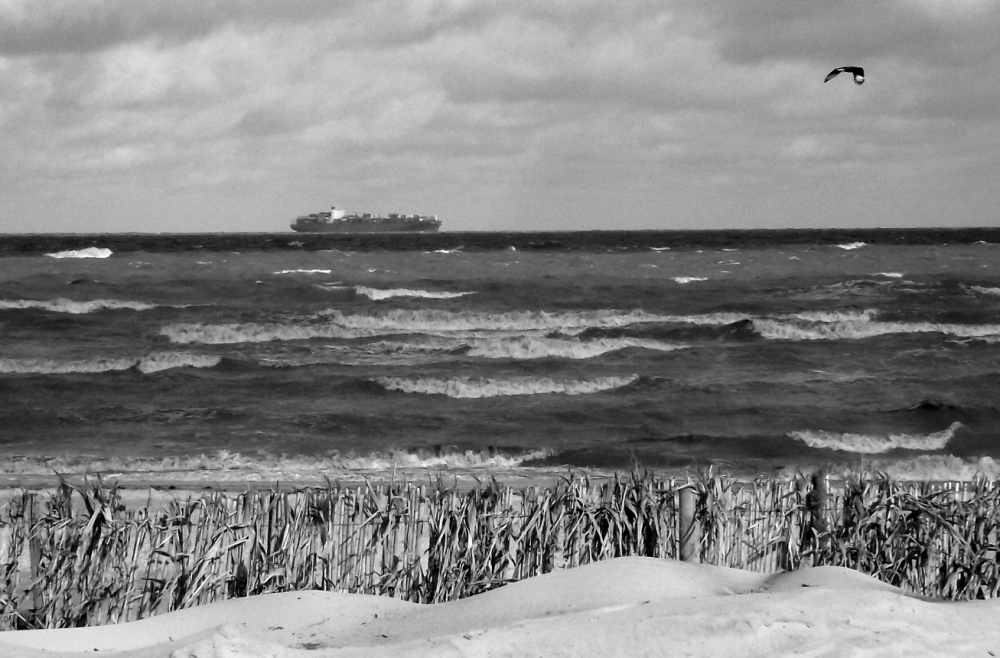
point(336, 221)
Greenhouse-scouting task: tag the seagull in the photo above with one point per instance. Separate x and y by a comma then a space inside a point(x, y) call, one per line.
point(859, 73)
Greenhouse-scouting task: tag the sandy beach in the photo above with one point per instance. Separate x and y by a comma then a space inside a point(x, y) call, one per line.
point(627, 606)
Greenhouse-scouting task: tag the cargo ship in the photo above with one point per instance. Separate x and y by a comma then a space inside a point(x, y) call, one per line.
point(336, 220)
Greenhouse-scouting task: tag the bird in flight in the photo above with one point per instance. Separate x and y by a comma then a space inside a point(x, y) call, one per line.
point(859, 73)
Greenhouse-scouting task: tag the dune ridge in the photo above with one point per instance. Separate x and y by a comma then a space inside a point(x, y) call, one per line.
point(630, 606)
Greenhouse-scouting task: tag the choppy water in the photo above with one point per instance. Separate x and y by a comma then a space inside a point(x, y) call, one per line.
point(287, 356)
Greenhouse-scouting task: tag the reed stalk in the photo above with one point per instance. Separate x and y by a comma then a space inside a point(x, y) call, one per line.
point(77, 557)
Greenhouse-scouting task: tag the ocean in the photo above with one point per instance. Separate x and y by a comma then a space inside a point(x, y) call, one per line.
point(298, 358)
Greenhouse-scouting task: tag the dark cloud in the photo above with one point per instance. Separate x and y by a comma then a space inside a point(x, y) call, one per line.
point(850, 31)
point(81, 26)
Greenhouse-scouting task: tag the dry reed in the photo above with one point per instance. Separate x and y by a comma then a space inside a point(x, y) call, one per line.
point(78, 557)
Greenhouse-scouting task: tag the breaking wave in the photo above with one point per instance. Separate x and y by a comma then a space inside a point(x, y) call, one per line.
point(154, 362)
point(852, 288)
point(941, 468)
point(481, 387)
point(378, 295)
point(853, 326)
point(220, 334)
point(89, 252)
point(538, 348)
point(488, 328)
point(868, 444)
point(426, 320)
point(70, 306)
point(227, 466)
point(400, 321)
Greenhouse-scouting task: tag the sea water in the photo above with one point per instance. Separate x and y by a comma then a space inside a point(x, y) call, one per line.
point(297, 358)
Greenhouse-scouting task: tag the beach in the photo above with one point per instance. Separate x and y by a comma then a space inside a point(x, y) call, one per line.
point(624, 607)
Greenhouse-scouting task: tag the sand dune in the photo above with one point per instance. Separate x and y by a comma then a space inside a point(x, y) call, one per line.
point(624, 607)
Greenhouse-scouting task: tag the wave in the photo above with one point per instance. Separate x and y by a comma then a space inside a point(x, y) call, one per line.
point(378, 295)
point(852, 245)
point(89, 252)
point(940, 468)
point(833, 316)
point(61, 305)
point(480, 387)
point(688, 279)
point(869, 444)
point(228, 466)
point(429, 320)
point(150, 363)
point(472, 326)
point(859, 325)
point(538, 348)
point(304, 272)
point(221, 334)
point(985, 291)
point(402, 321)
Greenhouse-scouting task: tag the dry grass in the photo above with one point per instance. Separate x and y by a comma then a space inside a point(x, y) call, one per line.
point(78, 557)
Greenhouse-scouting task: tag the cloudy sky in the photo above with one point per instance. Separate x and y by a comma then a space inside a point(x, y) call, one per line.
point(237, 115)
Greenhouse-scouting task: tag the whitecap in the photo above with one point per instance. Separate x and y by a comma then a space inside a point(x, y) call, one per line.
point(233, 466)
point(936, 468)
point(154, 362)
point(527, 347)
point(864, 327)
point(869, 444)
point(482, 387)
point(470, 324)
point(379, 295)
point(61, 305)
point(89, 252)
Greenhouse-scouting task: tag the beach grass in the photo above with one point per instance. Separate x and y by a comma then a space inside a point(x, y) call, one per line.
point(79, 556)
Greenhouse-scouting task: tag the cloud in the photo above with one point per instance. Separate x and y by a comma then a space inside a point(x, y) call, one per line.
point(28, 27)
point(492, 109)
point(920, 31)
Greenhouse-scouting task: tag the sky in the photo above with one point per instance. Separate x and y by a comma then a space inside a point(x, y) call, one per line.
point(517, 115)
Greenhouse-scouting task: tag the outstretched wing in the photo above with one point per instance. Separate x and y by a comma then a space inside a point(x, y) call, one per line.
point(834, 73)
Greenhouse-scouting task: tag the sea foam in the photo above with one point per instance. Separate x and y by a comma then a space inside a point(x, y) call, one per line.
point(339, 325)
point(229, 466)
point(154, 362)
point(858, 326)
point(539, 348)
point(379, 295)
point(61, 305)
point(870, 444)
point(89, 252)
point(481, 387)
